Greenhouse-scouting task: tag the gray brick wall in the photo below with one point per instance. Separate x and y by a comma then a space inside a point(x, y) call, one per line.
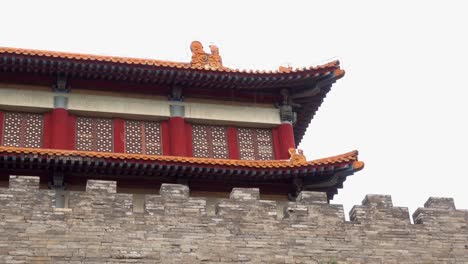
point(101, 227)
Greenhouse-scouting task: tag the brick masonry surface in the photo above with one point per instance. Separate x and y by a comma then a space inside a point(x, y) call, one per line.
point(100, 227)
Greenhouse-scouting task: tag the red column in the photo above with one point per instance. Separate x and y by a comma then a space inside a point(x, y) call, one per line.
point(177, 137)
point(119, 135)
point(59, 128)
point(1, 128)
point(233, 144)
point(286, 139)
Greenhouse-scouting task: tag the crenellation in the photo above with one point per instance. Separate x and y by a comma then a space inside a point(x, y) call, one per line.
point(256, 209)
point(315, 212)
point(104, 187)
point(440, 212)
point(312, 197)
point(440, 202)
point(23, 183)
point(245, 194)
point(377, 200)
point(379, 209)
point(245, 203)
point(314, 206)
point(100, 226)
point(174, 191)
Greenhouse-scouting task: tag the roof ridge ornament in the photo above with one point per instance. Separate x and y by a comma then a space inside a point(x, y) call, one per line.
point(205, 60)
point(283, 69)
point(297, 156)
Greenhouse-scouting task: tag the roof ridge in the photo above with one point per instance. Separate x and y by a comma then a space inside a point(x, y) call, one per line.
point(335, 64)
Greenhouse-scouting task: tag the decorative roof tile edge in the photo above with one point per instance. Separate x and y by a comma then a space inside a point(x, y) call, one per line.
point(334, 65)
point(350, 157)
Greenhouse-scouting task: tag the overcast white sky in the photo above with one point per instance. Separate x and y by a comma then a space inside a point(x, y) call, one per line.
point(402, 104)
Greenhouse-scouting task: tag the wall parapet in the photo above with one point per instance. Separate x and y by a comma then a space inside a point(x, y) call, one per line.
point(308, 203)
point(101, 225)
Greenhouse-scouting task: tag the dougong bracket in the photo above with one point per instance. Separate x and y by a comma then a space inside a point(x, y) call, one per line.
point(286, 107)
point(57, 180)
point(61, 85)
point(176, 94)
point(296, 188)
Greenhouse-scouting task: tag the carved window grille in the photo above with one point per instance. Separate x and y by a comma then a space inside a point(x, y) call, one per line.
point(94, 134)
point(255, 144)
point(143, 137)
point(23, 130)
point(210, 142)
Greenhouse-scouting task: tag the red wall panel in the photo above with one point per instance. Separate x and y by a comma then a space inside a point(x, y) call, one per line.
point(59, 128)
point(233, 145)
point(165, 138)
point(47, 130)
point(119, 135)
point(177, 136)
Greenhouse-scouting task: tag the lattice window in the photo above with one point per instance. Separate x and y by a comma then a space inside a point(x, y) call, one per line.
point(255, 144)
point(143, 137)
point(94, 134)
point(23, 130)
point(210, 142)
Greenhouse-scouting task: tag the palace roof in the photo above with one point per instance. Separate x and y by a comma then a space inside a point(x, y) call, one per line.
point(205, 74)
point(327, 173)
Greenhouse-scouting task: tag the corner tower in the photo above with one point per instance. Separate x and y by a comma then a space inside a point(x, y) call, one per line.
point(70, 117)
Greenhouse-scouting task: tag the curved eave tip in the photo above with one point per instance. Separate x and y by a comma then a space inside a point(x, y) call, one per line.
point(358, 165)
point(339, 73)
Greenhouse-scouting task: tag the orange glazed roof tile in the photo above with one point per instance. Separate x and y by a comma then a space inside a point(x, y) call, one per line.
point(350, 157)
point(89, 57)
point(154, 62)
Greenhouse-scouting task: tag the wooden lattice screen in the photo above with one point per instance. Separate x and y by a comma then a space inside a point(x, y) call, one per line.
point(143, 137)
point(94, 134)
point(255, 144)
point(23, 130)
point(210, 141)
